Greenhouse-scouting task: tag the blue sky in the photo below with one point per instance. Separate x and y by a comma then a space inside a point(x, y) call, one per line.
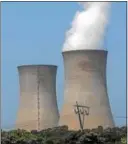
point(34, 32)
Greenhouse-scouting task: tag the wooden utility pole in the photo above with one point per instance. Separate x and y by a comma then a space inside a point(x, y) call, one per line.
point(81, 111)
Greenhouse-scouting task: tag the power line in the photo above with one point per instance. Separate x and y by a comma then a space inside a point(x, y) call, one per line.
point(121, 117)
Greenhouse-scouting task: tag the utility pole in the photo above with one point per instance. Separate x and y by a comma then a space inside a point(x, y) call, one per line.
point(81, 111)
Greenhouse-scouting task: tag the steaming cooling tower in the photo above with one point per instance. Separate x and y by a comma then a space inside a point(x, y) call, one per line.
point(85, 83)
point(38, 105)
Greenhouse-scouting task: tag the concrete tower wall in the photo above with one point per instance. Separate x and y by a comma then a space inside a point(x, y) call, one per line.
point(85, 82)
point(38, 105)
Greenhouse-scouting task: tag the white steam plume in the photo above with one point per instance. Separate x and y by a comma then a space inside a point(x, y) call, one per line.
point(88, 27)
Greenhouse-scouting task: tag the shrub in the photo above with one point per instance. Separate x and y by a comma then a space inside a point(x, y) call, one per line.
point(61, 135)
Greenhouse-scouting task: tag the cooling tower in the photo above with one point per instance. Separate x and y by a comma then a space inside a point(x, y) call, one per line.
point(85, 85)
point(38, 105)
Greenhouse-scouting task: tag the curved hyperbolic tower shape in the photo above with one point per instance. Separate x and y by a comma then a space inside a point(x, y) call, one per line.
point(38, 105)
point(85, 83)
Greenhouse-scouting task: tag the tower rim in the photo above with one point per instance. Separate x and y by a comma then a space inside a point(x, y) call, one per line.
point(36, 65)
point(88, 50)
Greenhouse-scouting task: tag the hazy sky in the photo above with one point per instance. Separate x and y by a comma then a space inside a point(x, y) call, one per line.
point(34, 33)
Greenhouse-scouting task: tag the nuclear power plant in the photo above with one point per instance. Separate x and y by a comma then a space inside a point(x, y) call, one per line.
point(38, 105)
point(86, 89)
point(86, 102)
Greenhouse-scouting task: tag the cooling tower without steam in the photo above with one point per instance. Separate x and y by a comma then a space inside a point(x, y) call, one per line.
point(38, 105)
point(85, 82)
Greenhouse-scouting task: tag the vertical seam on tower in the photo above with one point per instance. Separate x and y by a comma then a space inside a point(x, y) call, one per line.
point(38, 98)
